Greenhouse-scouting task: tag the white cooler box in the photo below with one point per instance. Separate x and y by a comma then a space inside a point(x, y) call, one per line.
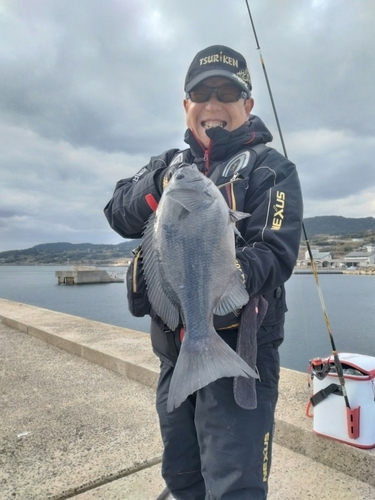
point(331, 417)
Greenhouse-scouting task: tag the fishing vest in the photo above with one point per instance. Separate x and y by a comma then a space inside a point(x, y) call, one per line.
point(230, 176)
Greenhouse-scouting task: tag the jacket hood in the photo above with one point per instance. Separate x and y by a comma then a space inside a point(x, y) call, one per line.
point(225, 143)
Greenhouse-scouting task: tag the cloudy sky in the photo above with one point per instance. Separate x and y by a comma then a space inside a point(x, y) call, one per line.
point(90, 89)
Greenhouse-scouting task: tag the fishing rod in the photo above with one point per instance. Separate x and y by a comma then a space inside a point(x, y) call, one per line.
point(164, 495)
point(338, 365)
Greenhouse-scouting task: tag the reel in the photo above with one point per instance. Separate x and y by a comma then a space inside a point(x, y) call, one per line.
point(319, 368)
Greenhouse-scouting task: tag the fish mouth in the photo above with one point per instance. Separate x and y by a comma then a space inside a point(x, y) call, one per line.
point(190, 181)
point(206, 124)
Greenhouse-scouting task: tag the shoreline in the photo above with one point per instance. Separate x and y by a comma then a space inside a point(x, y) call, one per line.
point(358, 272)
point(297, 269)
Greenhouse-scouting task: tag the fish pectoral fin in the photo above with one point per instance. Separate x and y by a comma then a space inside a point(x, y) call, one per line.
point(235, 216)
point(236, 232)
point(234, 297)
point(197, 367)
point(161, 301)
point(161, 297)
point(190, 199)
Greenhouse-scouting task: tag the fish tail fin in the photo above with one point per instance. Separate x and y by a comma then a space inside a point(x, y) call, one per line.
point(198, 366)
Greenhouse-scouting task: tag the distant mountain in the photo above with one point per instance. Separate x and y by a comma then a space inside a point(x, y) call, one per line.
point(73, 253)
point(336, 225)
point(63, 253)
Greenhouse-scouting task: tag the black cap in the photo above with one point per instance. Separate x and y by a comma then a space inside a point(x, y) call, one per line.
point(218, 60)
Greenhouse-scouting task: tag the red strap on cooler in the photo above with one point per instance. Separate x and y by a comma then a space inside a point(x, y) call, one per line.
point(308, 409)
point(352, 421)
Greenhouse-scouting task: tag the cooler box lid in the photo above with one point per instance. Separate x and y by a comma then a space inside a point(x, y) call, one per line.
point(360, 362)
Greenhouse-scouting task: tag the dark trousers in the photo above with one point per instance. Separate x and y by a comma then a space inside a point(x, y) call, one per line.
point(213, 449)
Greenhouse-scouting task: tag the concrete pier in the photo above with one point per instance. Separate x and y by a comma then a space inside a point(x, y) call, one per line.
point(85, 276)
point(78, 419)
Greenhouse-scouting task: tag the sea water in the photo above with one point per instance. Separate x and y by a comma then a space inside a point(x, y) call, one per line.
point(349, 301)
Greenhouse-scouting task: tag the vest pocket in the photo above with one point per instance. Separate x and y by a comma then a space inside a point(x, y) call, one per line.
point(138, 302)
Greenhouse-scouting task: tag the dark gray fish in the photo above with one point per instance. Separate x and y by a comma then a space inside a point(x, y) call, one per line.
point(190, 270)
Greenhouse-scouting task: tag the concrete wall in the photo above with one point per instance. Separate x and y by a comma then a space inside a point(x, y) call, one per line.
point(84, 277)
point(129, 353)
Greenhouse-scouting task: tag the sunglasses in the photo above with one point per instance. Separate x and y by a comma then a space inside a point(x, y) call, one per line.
point(226, 93)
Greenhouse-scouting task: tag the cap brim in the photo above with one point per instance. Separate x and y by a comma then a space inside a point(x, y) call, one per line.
point(217, 72)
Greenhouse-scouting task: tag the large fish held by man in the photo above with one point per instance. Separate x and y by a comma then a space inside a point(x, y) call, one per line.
point(191, 274)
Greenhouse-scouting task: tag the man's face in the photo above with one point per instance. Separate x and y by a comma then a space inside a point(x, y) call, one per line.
point(213, 113)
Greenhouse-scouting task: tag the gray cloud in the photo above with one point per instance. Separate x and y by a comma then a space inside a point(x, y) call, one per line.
point(89, 90)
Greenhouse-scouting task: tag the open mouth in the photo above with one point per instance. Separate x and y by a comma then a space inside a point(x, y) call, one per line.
point(213, 123)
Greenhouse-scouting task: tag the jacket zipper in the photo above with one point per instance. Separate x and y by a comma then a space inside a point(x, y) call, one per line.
point(206, 152)
point(206, 158)
point(235, 178)
point(230, 184)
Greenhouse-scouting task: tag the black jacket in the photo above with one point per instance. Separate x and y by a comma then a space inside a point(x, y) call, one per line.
point(258, 181)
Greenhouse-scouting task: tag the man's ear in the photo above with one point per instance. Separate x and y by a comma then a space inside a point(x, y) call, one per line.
point(249, 104)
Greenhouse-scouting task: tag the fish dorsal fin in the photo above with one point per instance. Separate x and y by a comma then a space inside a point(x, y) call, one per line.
point(190, 199)
point(235, 216)
point(234, 297)
point(163, 299)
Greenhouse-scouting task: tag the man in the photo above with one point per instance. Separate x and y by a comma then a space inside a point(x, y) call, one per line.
point(214, 446)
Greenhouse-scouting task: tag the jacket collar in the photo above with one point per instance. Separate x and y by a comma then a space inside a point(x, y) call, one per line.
point(224, 143)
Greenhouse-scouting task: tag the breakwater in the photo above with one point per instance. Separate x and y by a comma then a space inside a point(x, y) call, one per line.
point(128, 353)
